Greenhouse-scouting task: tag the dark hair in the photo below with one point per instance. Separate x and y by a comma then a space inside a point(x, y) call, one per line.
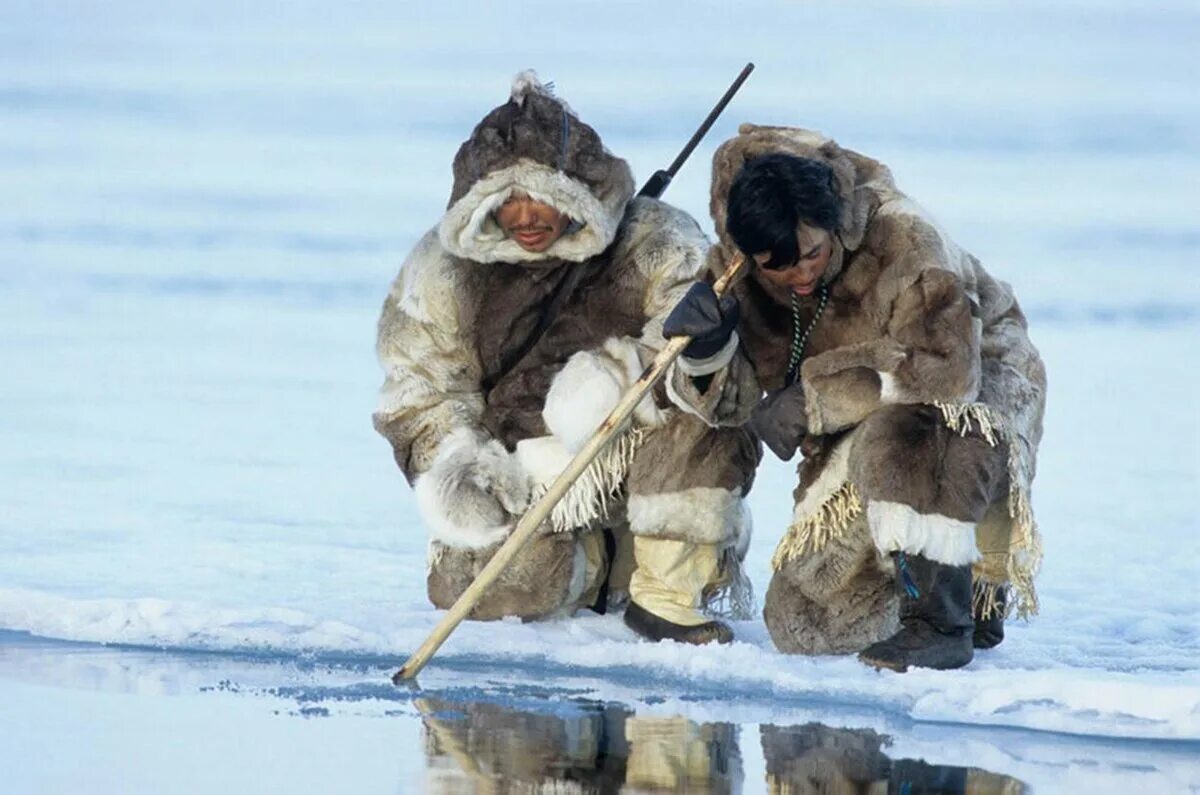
point(769, 199)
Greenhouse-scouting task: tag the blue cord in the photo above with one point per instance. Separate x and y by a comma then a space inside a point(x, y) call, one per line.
point(910, 587)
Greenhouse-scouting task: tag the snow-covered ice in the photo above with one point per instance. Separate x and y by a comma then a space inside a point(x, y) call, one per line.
point(202, 205)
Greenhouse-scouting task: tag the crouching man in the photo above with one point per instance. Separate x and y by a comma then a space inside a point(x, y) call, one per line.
point(903, 371)
point(509, 334)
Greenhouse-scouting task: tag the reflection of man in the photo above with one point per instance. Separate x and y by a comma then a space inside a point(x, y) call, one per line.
point(818, 759)
point(590, 747)
point(478, 747)
point(509, 334)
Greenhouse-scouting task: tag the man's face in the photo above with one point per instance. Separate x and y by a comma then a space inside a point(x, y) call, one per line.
point(534, 225)
point(803, 276)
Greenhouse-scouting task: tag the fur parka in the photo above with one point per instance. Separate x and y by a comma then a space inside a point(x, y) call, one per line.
point(500, 363)
point(917, 340)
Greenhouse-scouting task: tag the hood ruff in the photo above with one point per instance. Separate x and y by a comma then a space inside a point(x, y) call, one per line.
point(857, 177)
point(535, 144)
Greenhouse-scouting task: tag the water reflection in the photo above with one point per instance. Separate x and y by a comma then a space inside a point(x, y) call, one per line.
point(819, 759)
point(587, 747)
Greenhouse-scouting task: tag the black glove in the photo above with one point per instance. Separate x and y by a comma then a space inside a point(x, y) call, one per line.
point(709, 322)
point(780, 421)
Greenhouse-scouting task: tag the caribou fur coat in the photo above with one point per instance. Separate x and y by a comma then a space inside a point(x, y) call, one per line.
point(923, 398)
point(500, 363)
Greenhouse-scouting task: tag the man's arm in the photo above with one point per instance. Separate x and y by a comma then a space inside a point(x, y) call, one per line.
point(467, 485)
point(715, 383)
point(929, 352)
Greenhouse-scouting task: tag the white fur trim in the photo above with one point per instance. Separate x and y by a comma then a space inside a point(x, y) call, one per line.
point(718, 361)
point(625, 351)
point(468, 229)
point(589, 387)
point(543, 458)
point(889, 390)
point(524, 83)
point(701, 515)
point(898, 528)
point(583, 393)
point(453, 496)
point(833, 476)
point(743, 531)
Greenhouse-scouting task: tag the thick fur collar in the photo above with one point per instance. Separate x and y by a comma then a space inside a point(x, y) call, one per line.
point(469, 230)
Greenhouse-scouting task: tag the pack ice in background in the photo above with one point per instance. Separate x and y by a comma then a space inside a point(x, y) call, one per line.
point(202, 208)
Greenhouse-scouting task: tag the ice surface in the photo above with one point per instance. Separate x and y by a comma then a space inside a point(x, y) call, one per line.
point(202, 205)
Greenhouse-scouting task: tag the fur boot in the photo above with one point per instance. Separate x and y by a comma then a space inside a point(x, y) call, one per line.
point(935, 618)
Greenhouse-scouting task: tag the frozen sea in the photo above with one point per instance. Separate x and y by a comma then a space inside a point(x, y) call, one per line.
point(209, 564)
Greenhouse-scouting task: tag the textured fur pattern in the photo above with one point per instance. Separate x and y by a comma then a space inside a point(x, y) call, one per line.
point(912, 322)
point(471, 349)
point(836, 599)
point(704, 515)
point(471, 495)
point(596, 495)
point(589, 387)
point(538, 583)
point(469, 229)
point(896, 527)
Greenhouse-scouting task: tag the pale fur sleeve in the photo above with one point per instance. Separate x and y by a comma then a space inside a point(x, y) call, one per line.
point(660, 252)
point(432, 374)
point(930, 349)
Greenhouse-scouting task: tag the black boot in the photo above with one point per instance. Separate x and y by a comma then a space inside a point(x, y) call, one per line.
point(935, 618)
point(990, 631)
point(654, 628)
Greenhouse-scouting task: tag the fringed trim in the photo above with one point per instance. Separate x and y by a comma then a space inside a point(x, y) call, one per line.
point(962, 418)
point(734, 598)
point(828, 522)
point(1025, 545)
point(1025, 552)
point(590, 496)
point(989, 600)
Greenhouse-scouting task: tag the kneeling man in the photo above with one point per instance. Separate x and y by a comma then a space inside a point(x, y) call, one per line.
point(508, 335)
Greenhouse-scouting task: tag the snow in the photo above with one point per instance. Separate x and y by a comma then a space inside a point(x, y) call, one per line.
point(203, 204)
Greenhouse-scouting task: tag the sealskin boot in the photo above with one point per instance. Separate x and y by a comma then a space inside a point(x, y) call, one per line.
point(935, 618)
point(650, 626)
point(989, 632)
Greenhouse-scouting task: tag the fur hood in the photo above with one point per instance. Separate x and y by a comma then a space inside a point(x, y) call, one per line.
point(861, 181)
point(536, 144)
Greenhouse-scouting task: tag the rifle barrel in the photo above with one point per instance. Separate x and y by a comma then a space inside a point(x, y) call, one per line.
point(673, 169)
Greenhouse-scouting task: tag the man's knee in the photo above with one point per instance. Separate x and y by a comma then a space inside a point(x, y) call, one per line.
point(908, 455)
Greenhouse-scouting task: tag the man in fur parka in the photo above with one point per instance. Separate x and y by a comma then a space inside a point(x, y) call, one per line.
point(509, 334)
point(904, 373)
